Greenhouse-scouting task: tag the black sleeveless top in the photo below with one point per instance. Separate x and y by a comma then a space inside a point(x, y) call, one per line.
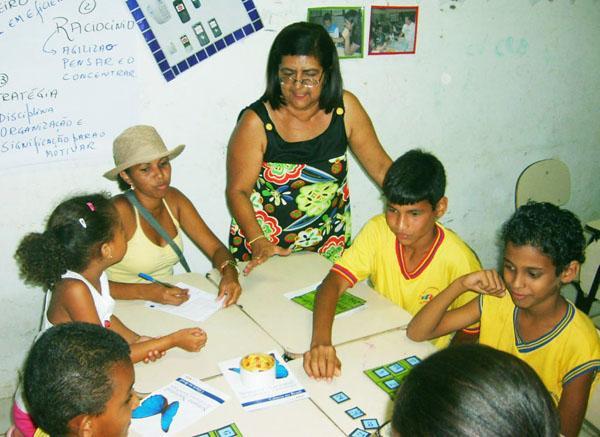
point(301, 195)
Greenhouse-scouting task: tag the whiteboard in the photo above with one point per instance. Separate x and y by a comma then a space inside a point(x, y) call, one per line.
point(68, 79)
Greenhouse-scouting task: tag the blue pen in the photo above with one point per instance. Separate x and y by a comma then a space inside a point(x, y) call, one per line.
point(151, 279)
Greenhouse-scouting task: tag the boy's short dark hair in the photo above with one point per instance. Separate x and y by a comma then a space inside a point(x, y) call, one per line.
point(474, 390)
point(68, 373)
point(414, 177)
point(556, 232)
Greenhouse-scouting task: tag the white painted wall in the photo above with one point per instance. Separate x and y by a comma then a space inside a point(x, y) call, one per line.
point(494, 86)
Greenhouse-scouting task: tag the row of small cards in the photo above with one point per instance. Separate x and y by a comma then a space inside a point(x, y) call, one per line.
point(387, 377)
point(356, 413)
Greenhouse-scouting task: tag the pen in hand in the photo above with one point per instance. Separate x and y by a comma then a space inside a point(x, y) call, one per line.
point(151, 279)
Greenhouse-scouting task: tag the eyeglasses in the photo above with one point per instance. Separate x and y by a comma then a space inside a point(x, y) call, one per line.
point(308, 82)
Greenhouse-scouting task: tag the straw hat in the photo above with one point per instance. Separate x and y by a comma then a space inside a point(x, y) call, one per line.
point(138, 144)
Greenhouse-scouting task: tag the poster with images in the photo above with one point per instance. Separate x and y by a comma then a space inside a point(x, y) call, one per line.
point(345, 25)
point(393, 30)
point(182, 33)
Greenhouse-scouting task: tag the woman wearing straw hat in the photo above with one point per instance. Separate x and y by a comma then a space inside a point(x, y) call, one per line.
point(153, 214)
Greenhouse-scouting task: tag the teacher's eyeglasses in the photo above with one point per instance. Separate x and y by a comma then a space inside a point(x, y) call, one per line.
point(308, 82)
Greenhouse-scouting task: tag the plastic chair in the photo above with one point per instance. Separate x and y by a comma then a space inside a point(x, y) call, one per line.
point(589, 278)
point(548, 180)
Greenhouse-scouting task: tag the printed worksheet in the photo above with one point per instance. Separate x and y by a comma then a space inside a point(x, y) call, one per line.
point(200, 306)
point(175, 407)
point(347, 303)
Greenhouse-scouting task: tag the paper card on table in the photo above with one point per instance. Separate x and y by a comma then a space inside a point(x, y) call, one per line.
point(175, 407)
point(284, 389)
point(346, 304)
point(199, 307)
point(230, 430)
point(389, 376)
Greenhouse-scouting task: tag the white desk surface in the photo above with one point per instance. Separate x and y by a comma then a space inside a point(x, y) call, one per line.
point(230, 333)
point(356, 357)
point(299, 418)
point(289, 323)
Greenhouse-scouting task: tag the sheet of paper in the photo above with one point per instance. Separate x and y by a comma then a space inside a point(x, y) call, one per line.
point(347, 303)
point(175, 407)
point(285, 389)
point(200, 306)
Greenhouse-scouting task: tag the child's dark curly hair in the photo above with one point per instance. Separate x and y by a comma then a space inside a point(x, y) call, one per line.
point(69, 373)
point(556, 232)
point(75, 231)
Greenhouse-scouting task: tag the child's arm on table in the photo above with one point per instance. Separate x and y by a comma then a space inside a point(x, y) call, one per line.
point(150, 348)
point(321, 360)
point(154, 292)
point(433, 320)
point(573, 404)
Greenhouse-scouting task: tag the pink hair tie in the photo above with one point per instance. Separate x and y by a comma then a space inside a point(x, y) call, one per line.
point(91, 206)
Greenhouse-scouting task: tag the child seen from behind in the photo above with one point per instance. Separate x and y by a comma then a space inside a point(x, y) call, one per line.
point(78, 381)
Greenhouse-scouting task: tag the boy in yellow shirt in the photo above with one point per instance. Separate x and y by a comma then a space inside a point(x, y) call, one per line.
point(406, 254)
point(543, 248)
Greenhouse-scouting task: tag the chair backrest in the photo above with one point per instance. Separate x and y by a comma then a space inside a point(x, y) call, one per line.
point(548, 180)
point(590, 266)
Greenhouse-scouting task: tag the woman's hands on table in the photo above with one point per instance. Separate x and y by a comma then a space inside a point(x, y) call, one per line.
point(262, 250)
point(167, 295)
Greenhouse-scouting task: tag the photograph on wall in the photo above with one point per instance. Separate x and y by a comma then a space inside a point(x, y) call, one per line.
point(182, 33)
point(393, 30)
point(345, 25)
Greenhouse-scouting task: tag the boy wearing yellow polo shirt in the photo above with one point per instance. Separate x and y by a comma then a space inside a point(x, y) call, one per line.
point(524, 314)
point(408, 256)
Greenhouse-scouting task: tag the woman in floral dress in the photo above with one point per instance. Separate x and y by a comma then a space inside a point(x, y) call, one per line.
point(287, 168)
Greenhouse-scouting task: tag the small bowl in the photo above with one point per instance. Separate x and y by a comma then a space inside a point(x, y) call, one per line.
point(257, 370)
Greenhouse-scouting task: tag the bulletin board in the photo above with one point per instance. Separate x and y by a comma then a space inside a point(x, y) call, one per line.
point(182, 33)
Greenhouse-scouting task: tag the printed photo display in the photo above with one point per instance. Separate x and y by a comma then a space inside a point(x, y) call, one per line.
point(181, 33)
point(345, 25)
point(393, 30)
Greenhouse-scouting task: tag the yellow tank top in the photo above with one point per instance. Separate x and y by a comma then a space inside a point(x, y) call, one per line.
point(143, 256)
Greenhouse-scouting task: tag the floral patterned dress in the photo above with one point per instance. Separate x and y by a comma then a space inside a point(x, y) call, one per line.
point(301, 197)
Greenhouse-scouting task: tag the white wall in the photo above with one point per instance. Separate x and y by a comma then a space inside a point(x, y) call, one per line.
point(494, 86)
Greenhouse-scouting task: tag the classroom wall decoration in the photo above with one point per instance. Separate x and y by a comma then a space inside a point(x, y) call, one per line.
point(68, 80)
point(182, 33)
point(393, 30)
point(345, 25)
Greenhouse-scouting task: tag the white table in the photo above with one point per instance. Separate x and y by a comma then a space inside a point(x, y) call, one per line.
point(266, 321)
point(230, 333)
point(356, 357)
point(289, 323)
